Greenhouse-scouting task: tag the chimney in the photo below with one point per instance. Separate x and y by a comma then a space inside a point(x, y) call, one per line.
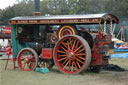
point(37, 8)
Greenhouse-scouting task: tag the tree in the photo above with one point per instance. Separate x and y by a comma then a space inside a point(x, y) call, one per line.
point(65, 7)
point(20, 9)
point(7, 14)
point(1, 11)
point(54, 7)
point(24, 9)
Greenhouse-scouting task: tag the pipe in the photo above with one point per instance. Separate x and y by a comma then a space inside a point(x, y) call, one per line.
point(37, 7)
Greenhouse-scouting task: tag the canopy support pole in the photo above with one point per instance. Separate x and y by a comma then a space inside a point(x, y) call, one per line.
point(111, 28)
point(105, 26)
point(114, 28)
point(101, 27)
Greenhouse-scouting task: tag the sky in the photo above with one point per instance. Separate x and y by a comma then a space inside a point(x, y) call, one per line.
point(6, 3)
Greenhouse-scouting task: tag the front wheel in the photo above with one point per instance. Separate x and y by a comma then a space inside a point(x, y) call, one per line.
point(27, 59)
point(72, 54)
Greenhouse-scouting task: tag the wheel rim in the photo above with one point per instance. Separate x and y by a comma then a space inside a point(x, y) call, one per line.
point(71, 55)
point(27, 59)
point(66, 30)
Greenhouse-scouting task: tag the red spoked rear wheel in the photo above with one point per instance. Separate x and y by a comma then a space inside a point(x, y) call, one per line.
point(27, 59)
point(72, 54)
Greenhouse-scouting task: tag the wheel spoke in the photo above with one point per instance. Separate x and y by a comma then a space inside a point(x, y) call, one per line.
point(69, 66)
point(22, 59)
point(78, 48)
point(75, 65)
point(62, 55)
point(73, 45)
point(70, 42)
point(79, 61)
point(32, 64)
point(30, 55)
point(26, 54)
point(63, 48)
point(81, 57)
point(23, 55)
point(68, 45)
point(77, 44)
point(62, 59)
point(32, 60)
point(23, 64)
point(80, 51)
point(72, 67)
point(80, 54)
point(64, 45)
point(78, 64)
point(66, 64)
point(65, 61)
point(28, 66)
point(59, 51)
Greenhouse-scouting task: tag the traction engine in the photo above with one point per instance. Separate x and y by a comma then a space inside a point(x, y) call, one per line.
point(70, 49)
point(74, 43)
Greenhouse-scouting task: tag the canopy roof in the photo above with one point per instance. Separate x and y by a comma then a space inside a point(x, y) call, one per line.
point(65, 19)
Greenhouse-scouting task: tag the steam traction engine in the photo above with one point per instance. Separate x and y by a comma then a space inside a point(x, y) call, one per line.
point(73, 42)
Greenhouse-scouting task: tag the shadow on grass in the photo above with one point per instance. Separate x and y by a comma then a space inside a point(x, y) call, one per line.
point(88, 72)
point(56, 71)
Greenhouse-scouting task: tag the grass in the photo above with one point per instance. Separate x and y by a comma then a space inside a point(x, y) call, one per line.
point(55, 77)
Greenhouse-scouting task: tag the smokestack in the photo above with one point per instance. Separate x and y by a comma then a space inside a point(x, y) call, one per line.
point(37, 8)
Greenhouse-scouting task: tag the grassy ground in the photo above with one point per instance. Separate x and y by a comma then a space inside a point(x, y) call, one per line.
point(54, 77)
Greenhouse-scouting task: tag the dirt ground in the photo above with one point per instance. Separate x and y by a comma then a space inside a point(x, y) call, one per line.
point(55, 77)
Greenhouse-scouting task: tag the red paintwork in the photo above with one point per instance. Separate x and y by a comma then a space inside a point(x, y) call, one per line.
point(101, 41)
point(8, 51)
point(36, 13)
point(66, 31)
point(47, 53)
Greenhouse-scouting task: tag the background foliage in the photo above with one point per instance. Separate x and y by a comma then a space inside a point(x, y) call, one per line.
point(62, 7)
point(66, 7)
